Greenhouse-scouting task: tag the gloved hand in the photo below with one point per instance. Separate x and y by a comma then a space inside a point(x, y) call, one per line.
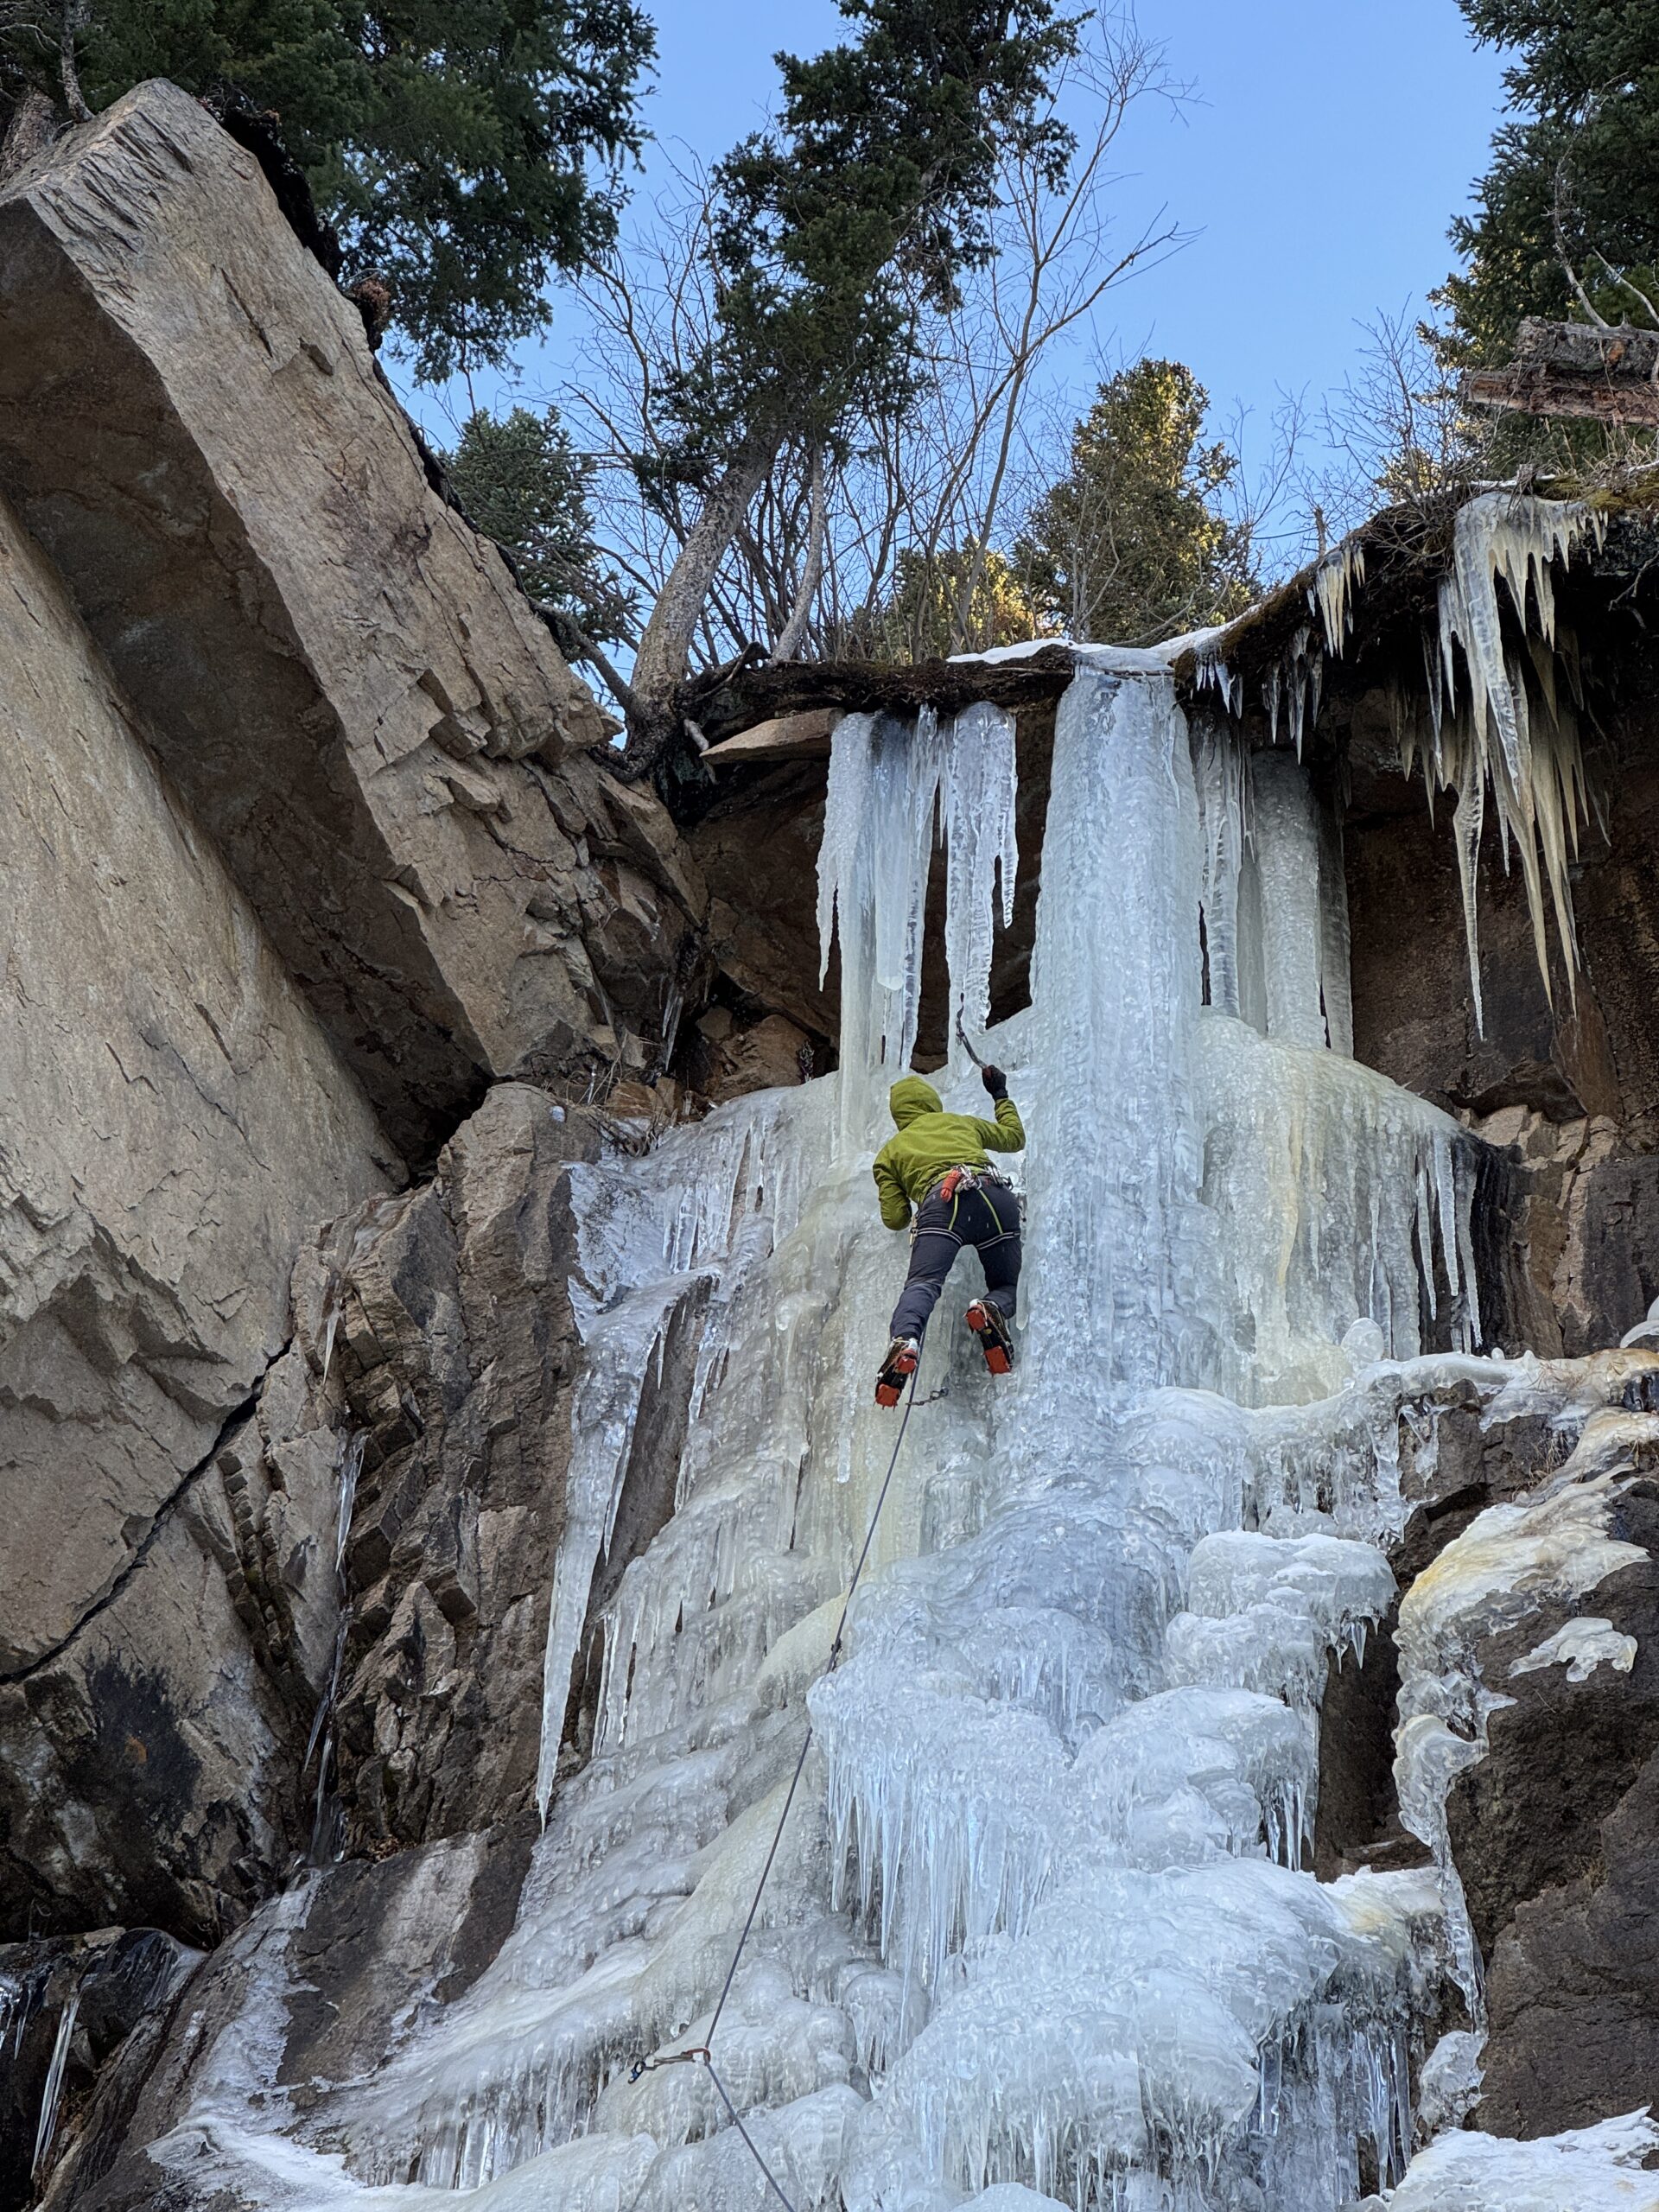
point(995, 1081)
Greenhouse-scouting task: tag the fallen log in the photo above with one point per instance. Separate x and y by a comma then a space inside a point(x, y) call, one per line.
point(725, 704)
point(1551, 392)
point(1577, 370)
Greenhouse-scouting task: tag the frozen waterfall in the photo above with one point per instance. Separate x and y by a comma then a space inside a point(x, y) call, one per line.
point(1040, 1918)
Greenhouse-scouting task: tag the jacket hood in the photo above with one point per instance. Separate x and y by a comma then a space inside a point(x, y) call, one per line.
point(910, 1098)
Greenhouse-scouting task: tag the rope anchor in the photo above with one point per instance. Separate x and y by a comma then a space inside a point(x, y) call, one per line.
point(642, 2066)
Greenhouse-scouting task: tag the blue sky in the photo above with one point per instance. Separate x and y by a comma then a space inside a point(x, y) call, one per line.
point(1328, 145)
point(1324, 149)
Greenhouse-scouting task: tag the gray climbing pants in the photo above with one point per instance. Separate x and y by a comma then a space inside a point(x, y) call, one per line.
point(987, 1217)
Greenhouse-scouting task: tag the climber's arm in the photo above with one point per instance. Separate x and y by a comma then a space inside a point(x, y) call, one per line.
point(1007, 1132)
point(895, 1206)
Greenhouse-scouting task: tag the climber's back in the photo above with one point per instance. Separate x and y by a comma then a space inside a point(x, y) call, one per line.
point(928, 1142)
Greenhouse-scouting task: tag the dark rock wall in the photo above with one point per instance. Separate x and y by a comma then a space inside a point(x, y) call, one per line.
point(1552, 1831)
point(1568, 1080)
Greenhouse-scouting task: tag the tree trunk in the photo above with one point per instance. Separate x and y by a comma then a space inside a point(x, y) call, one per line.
point(34, 123)
point(659, 664)
point(1539, 390)
point(788, 642)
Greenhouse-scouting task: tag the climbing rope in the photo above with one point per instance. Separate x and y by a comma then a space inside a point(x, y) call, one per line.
point(700, 2053)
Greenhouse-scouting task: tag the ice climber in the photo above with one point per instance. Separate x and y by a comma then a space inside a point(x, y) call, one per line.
point(936, 1163)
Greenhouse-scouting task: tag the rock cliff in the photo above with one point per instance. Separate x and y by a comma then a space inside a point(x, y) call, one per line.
point(306, 844)
point(343, 679)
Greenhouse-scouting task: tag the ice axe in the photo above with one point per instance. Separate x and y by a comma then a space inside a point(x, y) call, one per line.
point(961, 1035)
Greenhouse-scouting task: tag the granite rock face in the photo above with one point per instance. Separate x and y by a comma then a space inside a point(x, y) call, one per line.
point(444, 1321)
point(363, 710)
point(437, 1350)
point(173, 1119)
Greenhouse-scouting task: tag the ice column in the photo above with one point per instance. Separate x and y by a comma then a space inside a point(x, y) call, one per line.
point(1115, 992)
point(1218, 773)
point(888, 778)
point(977, 827)
point(1336, 980)
point(1287, 854)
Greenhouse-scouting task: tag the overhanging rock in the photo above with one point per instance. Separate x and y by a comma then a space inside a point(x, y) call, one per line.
point(343, 677)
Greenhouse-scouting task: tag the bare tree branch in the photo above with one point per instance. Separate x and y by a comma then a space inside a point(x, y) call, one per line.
point(811, 572)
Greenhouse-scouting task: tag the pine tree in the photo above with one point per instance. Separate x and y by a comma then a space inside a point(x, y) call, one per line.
point(1128, 548)
point(523, 483)
point(867, 198)
point(465, 149)
point(923, 617)
point(1575, 176)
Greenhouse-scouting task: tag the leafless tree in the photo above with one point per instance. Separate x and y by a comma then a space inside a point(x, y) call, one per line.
point(1397, 430)
point(815, 542)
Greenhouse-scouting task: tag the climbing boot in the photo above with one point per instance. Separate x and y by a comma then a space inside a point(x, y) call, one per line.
point(988, 1325)
point(903, 1355)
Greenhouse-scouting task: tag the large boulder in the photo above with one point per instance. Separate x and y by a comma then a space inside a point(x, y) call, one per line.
point(364, 711)
point(173, 1118)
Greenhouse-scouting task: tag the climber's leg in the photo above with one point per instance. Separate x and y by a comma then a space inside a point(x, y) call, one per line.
point(994, 1229)
point(932, 1255)
point(999, 1253)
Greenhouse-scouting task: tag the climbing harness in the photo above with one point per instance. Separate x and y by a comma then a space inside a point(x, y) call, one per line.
point(700, 2054)
point(950, 1186)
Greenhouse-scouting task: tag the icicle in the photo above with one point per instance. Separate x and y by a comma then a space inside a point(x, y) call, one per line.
point(1297, 677)
point(1287, 855)
point(1531, 758)
point(1218, 763)
point(1519, 538)
point(1336, 986)
point(1425, 1242)
point(888, 778)
point(978, 831)
point(52, 2094)
point(843, 823)
point(1331, 594)
point(1211, 675)
point(351, 1466)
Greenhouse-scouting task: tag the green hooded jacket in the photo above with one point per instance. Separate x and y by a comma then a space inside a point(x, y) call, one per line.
point(930, 1141)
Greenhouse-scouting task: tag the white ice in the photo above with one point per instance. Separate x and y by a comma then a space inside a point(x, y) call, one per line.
point(1580, 1646)
point(1589, 2170)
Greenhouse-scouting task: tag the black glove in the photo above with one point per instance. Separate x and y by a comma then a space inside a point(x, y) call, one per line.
point(995, 1081)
